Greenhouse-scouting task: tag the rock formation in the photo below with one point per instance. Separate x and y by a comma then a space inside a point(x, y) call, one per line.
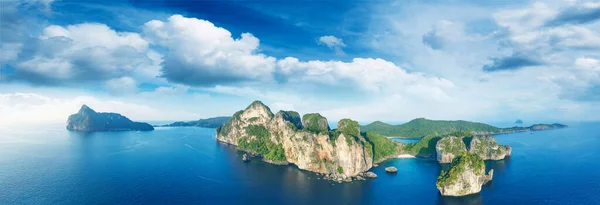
point(308, 143)
point(449, 147)
point(488, 149)
point(465, 176)
point(88, 120)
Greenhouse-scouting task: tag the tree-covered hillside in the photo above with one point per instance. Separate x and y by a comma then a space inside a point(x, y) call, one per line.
point(209, 123)
point(421, 127)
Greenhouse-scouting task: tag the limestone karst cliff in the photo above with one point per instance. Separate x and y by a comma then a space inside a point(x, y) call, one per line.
point(465, 176)
point(308, 143)
point(88, 120)
point(488, 149)
point(449, 147)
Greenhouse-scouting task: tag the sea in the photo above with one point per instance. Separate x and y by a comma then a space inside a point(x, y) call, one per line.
point(186, 165)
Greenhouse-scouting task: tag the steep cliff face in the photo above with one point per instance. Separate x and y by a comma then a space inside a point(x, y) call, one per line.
point(88, 120)
point(449, 147)
point(488, 149)
point(308, 143)
point(465, 176)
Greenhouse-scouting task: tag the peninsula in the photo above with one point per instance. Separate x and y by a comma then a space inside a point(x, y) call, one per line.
point(421, 127)
point(212, 122)
point(88, 120)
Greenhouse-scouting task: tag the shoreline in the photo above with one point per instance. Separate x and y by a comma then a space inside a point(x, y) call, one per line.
point(405, 156)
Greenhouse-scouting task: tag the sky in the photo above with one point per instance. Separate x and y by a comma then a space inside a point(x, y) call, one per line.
point(392, 61)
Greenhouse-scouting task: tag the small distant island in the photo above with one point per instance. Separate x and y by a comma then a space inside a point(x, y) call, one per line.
point(212, 122)
point(88, 120)
point(421, 127)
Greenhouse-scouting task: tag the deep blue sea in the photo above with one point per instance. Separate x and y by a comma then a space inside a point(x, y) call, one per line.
point(50, 165)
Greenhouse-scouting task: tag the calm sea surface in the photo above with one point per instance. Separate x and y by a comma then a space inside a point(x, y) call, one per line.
point(49, 165)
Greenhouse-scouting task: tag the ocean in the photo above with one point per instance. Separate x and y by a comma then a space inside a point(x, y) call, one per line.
point(50, 165)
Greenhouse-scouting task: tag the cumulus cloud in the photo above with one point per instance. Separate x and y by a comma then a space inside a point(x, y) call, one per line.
point(334, 43)
point(121, 86)
point(582, 82)
point(368, 74)
point(543, 34)
point(202, 54)
point(68, 55)
point(578, 14)
point(512, 62)
point(443, 33)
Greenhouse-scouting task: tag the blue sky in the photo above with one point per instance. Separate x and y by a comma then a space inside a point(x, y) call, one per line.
point(382, 60)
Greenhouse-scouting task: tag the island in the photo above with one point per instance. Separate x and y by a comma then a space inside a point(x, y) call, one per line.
point(421, 127)
point(348, 152)
point(465, 176)
point(212, 122)
point(486, 147)
point(342, 154)
point(88, 120)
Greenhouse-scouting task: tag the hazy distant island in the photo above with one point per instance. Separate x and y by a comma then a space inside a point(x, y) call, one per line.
point(421, 127)
point(212, 122)
point(88, 120)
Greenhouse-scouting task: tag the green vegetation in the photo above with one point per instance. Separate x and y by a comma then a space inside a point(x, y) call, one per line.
point(214, 122)
point(316, 123)
point(424, 147)
point(421, 127)
point(452, 145)
point(348, 127)
point(276, 154)
point(458, 166)
point(293, 118)
point(258, 103)
point(340, 170)
point(261, 144)
point(382, 147)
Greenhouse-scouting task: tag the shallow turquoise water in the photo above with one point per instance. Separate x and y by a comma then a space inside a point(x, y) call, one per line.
point(50, 165)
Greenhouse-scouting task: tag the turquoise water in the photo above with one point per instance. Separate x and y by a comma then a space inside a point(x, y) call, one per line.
point(50, 165)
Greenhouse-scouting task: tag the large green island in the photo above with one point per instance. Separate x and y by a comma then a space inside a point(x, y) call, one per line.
point(348, 152)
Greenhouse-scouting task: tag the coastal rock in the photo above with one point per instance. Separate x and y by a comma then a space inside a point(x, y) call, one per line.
point(391, 169)
point(370, 175)
point(488, 149)
point(315, 122)
point(465, 176)
point(88, 120)
point(449, 147)
point(310, 145)
point(246, 157)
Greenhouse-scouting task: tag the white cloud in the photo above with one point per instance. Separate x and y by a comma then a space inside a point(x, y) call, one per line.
point(9, 52)
point(67, 55)
point(121, 86)
point(367, 74)
point(333, 43)
point(199, 53)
